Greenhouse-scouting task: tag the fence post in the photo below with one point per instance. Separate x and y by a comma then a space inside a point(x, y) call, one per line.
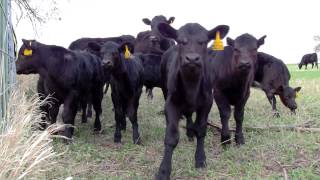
point(7, 56)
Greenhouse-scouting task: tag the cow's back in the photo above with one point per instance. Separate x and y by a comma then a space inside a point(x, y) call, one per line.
point(271, 71)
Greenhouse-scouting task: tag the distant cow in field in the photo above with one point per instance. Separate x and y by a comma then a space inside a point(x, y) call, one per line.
point(309, 59)
point(69, 76)
point(187, 87)
point(234, 70)
point(273, 76)
point(126, 85)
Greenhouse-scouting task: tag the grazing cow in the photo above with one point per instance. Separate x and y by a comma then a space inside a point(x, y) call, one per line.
point(309, 59)
point(165, 42)
point(187, 87)
point(234, 70)
point(126, 85)
point(272, 76)
point(68, 75)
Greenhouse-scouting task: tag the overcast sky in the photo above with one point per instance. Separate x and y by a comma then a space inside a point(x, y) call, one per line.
point(289, 25)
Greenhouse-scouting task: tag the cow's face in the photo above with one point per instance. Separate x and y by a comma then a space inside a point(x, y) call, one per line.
point(156, 21)
point(245, 51)
point(28, 60)
point(288, 96)
point(300, 65)
point(111, 53)
point(192, 40)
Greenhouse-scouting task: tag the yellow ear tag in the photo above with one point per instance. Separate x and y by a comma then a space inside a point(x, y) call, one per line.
point(218, 44)
point(27, 52)
point(127, 53)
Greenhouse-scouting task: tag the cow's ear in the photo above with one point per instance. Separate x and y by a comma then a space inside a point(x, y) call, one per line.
point(29, 43)
point(25, 42)
point(127, 46)
point(261, 40)
point(223, 30)
point(230, 42)
point(167, 31)
point(170, 20)
point(297, 89)
point(146, 21)
point(94, 46)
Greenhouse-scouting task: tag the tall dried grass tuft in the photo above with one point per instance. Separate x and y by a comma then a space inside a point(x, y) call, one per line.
point(25, 151)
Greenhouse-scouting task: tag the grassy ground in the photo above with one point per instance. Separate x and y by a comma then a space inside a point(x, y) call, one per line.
point(97, 157)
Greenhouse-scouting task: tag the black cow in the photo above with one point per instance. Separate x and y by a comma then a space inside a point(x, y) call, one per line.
point(165, 42)
point(126, 85)
point(187, 87)
point(82, 43)
point(151, 71)
point(272, 76)
point(69, 76)
point(309, 59)
point(148, 43)
point(234, 70)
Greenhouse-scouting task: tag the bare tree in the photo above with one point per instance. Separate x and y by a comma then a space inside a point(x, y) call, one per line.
point(317, 47)
point(36, 11)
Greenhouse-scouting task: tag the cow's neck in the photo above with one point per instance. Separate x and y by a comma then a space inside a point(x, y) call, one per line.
point(191, 86)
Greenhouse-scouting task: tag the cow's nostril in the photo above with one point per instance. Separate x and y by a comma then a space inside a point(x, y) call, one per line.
point(192, 57)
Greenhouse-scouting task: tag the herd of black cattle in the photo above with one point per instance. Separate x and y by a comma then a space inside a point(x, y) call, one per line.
point(190, 75)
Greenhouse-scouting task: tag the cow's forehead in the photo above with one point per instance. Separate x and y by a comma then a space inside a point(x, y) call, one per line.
point(193, 31)
point(158, 19)
point(246, 41)
point(110, 47)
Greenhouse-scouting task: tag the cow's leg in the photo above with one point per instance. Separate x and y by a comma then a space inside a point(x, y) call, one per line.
point(150, 94)
point(200, 128)
point(225, 112)
point(132, 114)
point(312, 64)
point(306, 66)
point(171, 139)
point(190, 130)
point(238, 116)
point(69, 112)
point(96, 99)
point(106, 87)
point(84, 101)
point(53, 112)
point(316, 64)
point(89, 109)
point(119, 116)
point(273, 102)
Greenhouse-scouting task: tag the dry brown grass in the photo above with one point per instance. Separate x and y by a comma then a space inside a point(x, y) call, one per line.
point(25, 151)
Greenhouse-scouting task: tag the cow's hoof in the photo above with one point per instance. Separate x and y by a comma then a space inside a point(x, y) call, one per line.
point(276, 114)
point(225, 140)
point(162, 175)
point(239, 139)
point(201, 164)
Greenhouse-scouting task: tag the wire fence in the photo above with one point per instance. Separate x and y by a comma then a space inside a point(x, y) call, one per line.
point(7, 56)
